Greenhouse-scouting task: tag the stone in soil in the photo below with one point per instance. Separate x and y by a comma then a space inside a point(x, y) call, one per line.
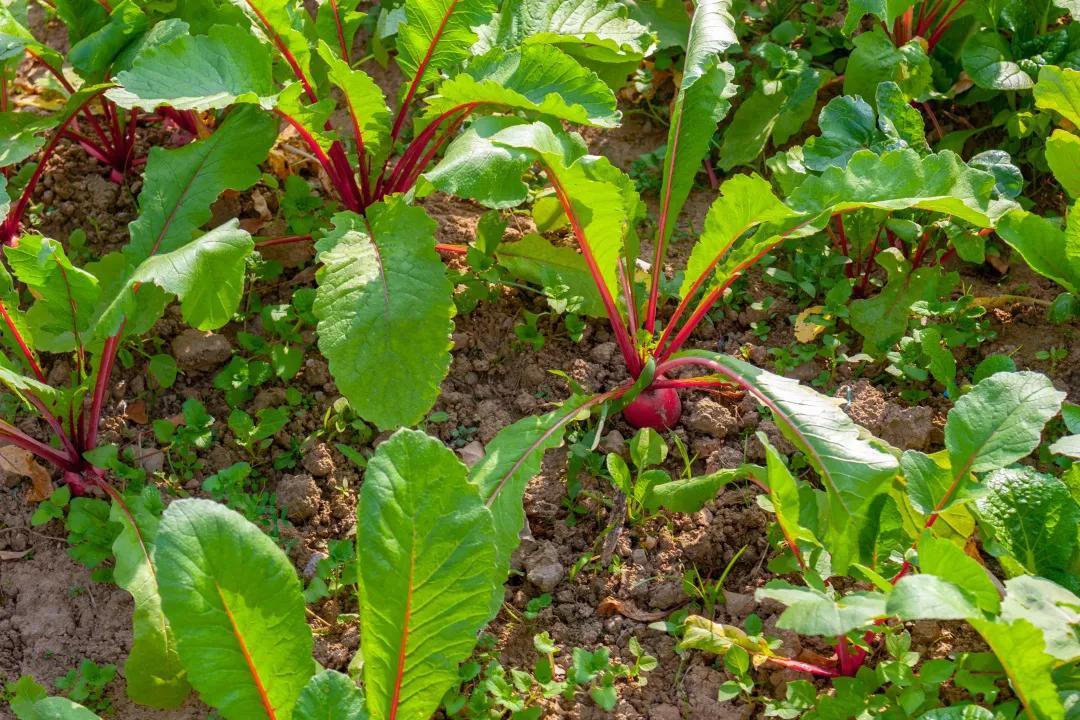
point(202, 351)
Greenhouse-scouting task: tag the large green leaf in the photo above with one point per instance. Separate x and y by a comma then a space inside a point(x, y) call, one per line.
point(700, 102)
point(64, 294)
point(585, 183)
point(284, 23)
point(1000, 421)
point(1048, 606)
point(21, 135)
point(198, 72)
point(988, 60)
point(207, 275)
point(876, 59)
point(745, 202)
point(93, 56)
point(1021, 650)
point(477, 168)
point(1063, 157)
point(600, 34)
point(233, 602)
point(852, 470)
point(384, 307)
point(181, 184)
point(947, 560)
point(427, 569)
point(533, 78)
point(438, 34)
point(511, 459)
point(929, 597)
point(152, 670)
point(52, 708)
point(1058, 89)
point(365, 103)
point(535, 259)
point(330, 695)
point(1033, 522)
point(817, 612)
point(1049, 250)
point(898, 180)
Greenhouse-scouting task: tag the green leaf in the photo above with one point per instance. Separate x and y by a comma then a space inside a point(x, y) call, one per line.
point(1020, 649)
point(928, 597)
point(510, 461)
point(599, 34)
point(427, 567)
point(437, 35)
point(1058, 89)
point(946, 560)
point(1048, 606)
point(366, 105)
point(988, 60)
point(884, 10)
point(700, 102)
point(883, 319)
point(153, 671)
point(56, 400)
point(598, 204)
point(534, 78)
point(535, 259)
point(234, 604)
point(691, 494)
point(667, 18)
point(745, 202)
point(64, 294)
point(384, 307)
point(852, 470)
point(1033, 521)
point(330, 695)
point(876, 59)
point(784, 496)
point(1000, 421)
point(181, 184)
point(21, 135)
point(206, 274)
point(847, 125)
point(1045, 247)
point(814, 612)
point(286, 26)
point(198, 72)
point(53, 708)
point(931, 484)
point(898, 119)
point(476, 168)
point(1063, 157)
point(899, 180)
point(94, 55)
point(703, 634)
point(337, 24)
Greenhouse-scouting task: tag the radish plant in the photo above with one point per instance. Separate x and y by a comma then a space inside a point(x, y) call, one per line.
point(384, 303)
point(103, 40)
point(912, 554)
point(219, 609)
point(86, 313)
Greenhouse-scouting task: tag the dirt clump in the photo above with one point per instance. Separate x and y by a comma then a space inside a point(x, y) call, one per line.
point(201, 351)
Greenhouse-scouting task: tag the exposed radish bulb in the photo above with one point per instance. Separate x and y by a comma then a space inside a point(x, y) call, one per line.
point(656, 409)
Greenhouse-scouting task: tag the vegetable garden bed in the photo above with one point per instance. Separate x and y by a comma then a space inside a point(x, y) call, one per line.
point(556, 359)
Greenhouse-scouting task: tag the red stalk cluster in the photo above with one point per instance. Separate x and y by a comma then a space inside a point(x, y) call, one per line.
point(931, 22)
